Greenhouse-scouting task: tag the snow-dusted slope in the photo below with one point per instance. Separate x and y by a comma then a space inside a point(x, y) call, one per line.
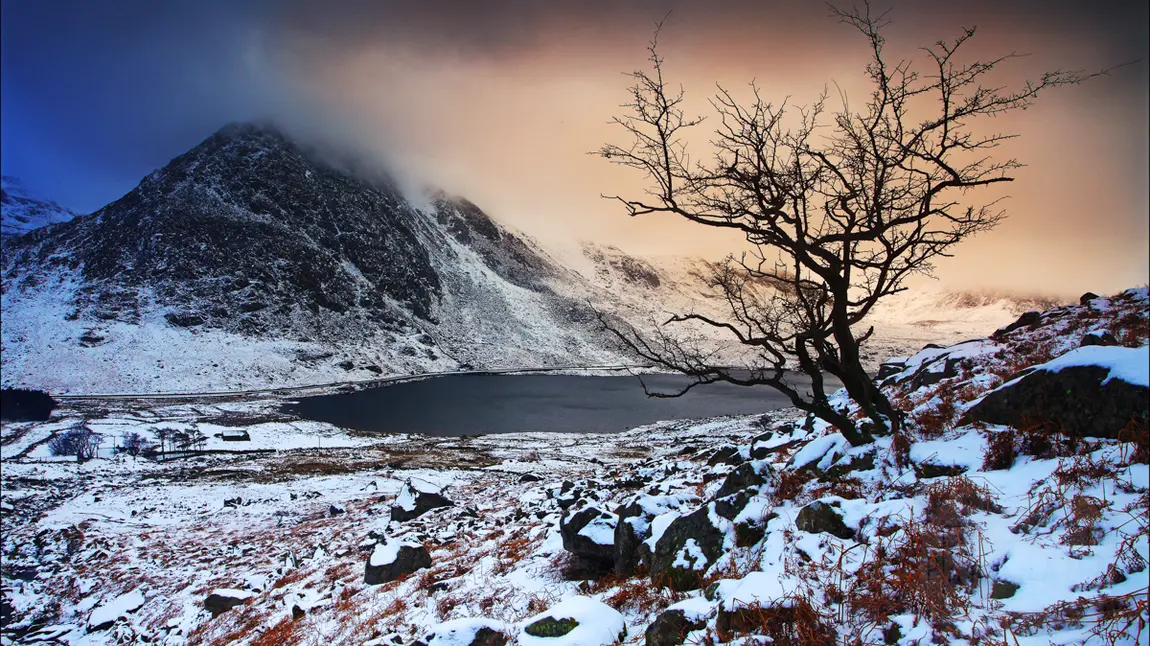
point(647, 290)
point(21, 211)
point(251, 262)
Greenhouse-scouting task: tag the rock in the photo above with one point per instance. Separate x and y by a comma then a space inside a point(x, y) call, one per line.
point(183, 319)
point(233, 502)
point(530, 477)
point(589, 533)
point(740, 487)
point(109, 612)
point(839, 471)
point(630, 532)
point(748, 533)
point(1101, 338)
point(928, 374)
point(890, 368)
point(1027, 319)
point(576, 620)
point(688, 546)
point(551, 627)
point(1085, 299)
point(336, 510)
point(568, 495)
point(297, 613)
point(819, 517)
point(632, 549)
point(393, 559)
point(746, 476)
point(225, 599)
point(670, 628)
point(417, 498)
point(927, 470)
point(1062, 395)
point(1004, 589)
point(468, 632)
point(725, 455)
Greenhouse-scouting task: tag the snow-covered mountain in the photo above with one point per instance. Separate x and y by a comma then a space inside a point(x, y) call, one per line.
point(21, 211)
point(251, 261)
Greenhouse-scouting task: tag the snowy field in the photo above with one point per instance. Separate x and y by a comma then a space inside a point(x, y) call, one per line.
point(271, 540)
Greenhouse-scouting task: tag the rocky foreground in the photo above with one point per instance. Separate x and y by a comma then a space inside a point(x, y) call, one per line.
point(1011, 508)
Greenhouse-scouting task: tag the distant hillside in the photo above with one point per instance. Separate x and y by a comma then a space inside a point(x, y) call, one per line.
point(252, 261)
point(21, 212)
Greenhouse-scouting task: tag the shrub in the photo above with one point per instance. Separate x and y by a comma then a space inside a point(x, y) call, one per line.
point(21, 405)
point(134, 444)
point(80, 442)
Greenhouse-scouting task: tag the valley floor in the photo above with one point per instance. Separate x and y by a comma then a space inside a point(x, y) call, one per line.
point(766, 529)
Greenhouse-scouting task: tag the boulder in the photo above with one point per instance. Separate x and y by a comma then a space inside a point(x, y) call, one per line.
point(575, 620)
point(1027, 319)
point(688, 546)
point(890, 368)
point(530, 477)
point(670, 628)
point(417, 498)
point(109, 612)
point(1085, 299)
point(933, 372)
point(630, 532)
point(589, 533)
point(927, 470)
point(632, 548)
point(746, 476)
point(225, 599)
point(1098, 338)
point(393, 559)
point(725, 455)
point(819, 517)
point(1092, 391)
point(741, 485)
point(467, 632)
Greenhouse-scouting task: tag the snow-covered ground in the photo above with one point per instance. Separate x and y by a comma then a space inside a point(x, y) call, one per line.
point(939, 541)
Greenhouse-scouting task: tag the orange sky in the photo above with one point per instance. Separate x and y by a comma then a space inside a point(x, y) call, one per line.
point(507, 120)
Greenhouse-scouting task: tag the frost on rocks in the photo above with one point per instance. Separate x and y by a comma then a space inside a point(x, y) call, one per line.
point(575, 621)
point(106, 614)
point(468, 632)
point(394, 558)
point(418, 498)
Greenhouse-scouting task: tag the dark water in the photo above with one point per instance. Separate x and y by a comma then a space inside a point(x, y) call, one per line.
point(480, 404)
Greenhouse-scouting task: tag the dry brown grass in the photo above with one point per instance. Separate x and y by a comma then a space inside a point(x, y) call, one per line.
point(281, 633)
point(791, 621)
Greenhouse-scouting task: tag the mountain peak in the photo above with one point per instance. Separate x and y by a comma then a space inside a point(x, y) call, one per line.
point(24, 211)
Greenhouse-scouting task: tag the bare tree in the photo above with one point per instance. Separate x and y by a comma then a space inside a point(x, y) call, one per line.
point(80, 442)
point(134, 444)
point(839, 208)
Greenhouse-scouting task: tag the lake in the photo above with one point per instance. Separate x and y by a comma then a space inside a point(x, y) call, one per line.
point(476, 404)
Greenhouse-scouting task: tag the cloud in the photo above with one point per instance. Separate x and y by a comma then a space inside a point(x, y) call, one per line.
point(501, 100)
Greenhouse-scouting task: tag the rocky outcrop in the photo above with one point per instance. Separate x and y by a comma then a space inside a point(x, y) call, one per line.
point(1073, 397)
point(819, 517)
point(416, 499)
point(225, 599)
point(670, 628)
point(688, 546)
point(575, 620)
point(589, 534)
point(393, 559)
